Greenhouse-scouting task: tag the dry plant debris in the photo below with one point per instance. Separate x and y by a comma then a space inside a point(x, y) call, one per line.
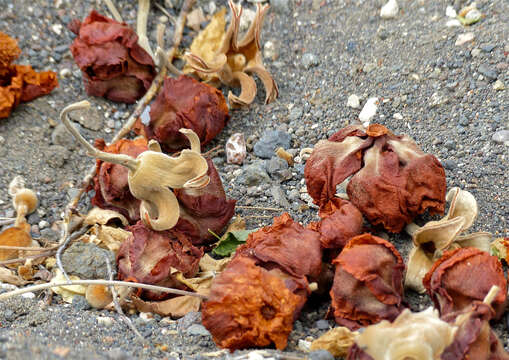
point(392, 179)
point(463, 276)
point(435, 237)
point(185, 103)
point(368, 282)
point(112, 62)
point(19, 83)
point(216, 55)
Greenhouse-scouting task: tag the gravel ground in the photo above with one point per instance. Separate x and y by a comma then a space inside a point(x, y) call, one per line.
point(320, 52)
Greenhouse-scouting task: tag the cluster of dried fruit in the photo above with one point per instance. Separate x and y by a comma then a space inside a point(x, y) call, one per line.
point(19, 83)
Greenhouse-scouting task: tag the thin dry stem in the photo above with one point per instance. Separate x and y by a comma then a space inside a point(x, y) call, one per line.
point(258, 208)
point(113, 10)
point(165, 12)
point(31, 257)
point(6, 247)
point(491, 295)
point(141, 26)
point(33, 288)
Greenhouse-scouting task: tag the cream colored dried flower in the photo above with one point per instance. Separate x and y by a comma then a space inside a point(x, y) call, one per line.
point(153, 174)
point(235, 60)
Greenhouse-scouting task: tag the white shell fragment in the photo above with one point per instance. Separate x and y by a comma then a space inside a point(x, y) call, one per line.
point(450, 12)
point(236, 149)
point(389, 10)
point(368, 111)
point(353, 101)
point(464, 38)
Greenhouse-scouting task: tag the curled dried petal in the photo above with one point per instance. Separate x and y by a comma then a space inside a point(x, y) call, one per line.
point(463, 275)
point(249, 306)
point(368, 283)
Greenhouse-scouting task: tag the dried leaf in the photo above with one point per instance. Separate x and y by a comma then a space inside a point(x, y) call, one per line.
point(107, 237)
point(464, 275)
point(175, 307)
point(68, 292)
point(368, 282)
point(14, 236)
point(337, 341)
point(393, 180)
point(9, 277)
point(104, 216)
point(185, 103)
point(112, 62)
point(229, 242)
point(207, 263)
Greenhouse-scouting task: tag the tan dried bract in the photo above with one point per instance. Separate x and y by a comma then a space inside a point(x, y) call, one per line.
point(235, 60)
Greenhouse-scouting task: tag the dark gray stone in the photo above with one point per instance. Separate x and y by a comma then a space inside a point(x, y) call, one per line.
point(50, 234)
point(501, 137)
point(449, 164)
point(80, 303)
point(254, 174)
point(191, 318)
point(87, 261)
point(488, 71)
point(56, 155)
point(60, 136)
point(197, 329)
point(279, 197)
point(270, 141)
point(487, 48)
point(277, 168)
point(450, 144)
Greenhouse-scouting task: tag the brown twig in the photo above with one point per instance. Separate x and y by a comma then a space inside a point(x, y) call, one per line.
point(99, 282)
point(31, 257)
point(7, 247)
point(215, 150)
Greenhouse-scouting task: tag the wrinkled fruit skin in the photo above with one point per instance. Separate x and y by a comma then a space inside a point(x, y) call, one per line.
point(249, 306)
point(149, 256)
point(289, 245)
point(464, 275)
point(392, 179)
point(256, 299)
point(185, 103)
point(110, 182)
point(368, 282)
point(340, 221)
point(204, 209)
point(113, 65)
point(19, 83)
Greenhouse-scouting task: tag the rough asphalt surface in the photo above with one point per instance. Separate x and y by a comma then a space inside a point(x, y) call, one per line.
point(320, 52)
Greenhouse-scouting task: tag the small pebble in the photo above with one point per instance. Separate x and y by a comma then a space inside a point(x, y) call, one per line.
point(353, 101)
point(65, 73)
point(197, 329)
point(105, 321)
point(28, 295)
point(498, 85)
point(368, 111)
point(309, 60)
point(464, 38)
point(397, 116)
point(389, 10)
point(501, 137)
point(450, 12)
point(269, 50)
point(488, 71)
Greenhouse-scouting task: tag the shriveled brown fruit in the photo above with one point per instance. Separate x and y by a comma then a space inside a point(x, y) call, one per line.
point(98, 296)
point(204, 209)
point(340, 221)
point(19, 83)
point(392, 179)
point(110, 182)
point(249, 306)
point(462, 276)
point(235, 61)
point(185, 103)
point(285, 244)
point(152, 257)
point(112, 62)
point(368, 282)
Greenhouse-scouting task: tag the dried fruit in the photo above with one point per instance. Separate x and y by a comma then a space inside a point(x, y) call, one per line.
point(111, 180)
point(249, 306)
point(462, 276)
point(98, 296)
point(392, 179)
point(285, 244)
point(204, 209)
point(234, 60)
point(340, 221)
point(153, 257)
point(236, 149)
point(112, 62)
point(185, 103)
point(19, 83)
point(368, 283)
